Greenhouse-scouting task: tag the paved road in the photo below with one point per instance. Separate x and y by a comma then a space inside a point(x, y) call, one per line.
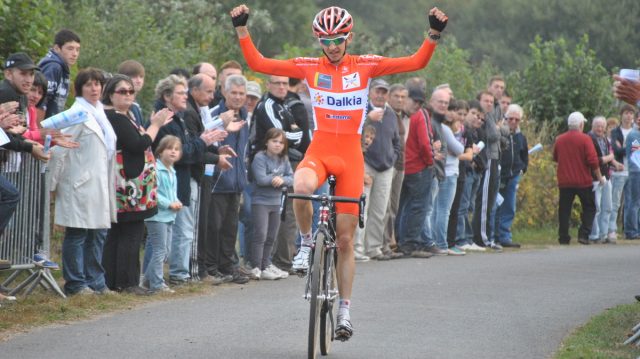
point(510, 305)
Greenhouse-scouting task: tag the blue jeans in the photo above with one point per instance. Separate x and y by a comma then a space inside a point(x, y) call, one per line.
point(441, 210)
point(467, 203)
point(182, 237)
point(155, 253)
point(618, 183)
point(82, 259)
point(507, 211)
point(9, 198)
point(415, 198)
point(426, 234)
point(600, 227)
point(632, 207)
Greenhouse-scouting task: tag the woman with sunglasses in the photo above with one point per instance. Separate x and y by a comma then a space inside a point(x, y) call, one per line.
point(339, 86)
point(136, 197)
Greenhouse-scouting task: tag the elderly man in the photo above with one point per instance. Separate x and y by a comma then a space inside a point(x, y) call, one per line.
point(228, 186)
point(201, 89)
point(576, 157)
point(513, 164)
point(607, 161)
point(379, 160)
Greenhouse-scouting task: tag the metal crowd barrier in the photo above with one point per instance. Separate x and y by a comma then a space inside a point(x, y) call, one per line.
point(29, 228)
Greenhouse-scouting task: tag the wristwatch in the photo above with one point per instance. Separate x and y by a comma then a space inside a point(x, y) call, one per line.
point(434, 37)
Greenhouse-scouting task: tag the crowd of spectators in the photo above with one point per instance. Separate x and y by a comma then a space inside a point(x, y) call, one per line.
point(205, 167)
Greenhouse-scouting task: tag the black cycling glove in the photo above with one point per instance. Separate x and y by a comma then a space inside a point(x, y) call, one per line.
point(240, 20)
point(436, 24)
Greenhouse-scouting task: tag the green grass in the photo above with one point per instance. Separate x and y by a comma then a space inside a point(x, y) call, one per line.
point(603, 335)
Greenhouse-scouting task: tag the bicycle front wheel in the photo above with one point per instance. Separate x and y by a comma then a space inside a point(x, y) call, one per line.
point(328, 312)
point(316, 273)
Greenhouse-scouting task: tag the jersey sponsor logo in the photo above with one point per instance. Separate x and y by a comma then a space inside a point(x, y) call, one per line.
point(351, 81)
point(318, 99)
point(353, 100)
point(323, 81)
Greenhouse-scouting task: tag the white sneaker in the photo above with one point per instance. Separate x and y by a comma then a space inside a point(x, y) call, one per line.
point(465, 247)
point(476, 248)
point(361, 258)
point(301, 260)
point(255, 273)
point(278, 271)
point(269, 274)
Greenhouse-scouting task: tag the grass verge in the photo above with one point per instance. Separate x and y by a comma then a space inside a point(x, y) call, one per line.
point(603, 335)
point(43, 308)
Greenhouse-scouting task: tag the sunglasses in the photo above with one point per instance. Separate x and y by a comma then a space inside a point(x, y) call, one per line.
point(336, 40)
point(125, 92)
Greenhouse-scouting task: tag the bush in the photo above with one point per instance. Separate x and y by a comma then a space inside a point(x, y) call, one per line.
point(558, 80)
point(537, 196)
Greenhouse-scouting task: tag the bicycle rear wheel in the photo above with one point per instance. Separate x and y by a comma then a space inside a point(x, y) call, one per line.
point(328, 312)
point(316, 300)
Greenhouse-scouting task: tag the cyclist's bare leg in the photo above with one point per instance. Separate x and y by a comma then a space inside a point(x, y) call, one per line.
point(305, 181)
point(345, 229)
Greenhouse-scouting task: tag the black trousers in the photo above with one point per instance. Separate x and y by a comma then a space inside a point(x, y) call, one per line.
point(452, 227)
point(121, 255)
point(485, 200)
point(222, 226)
point(203, 219)
point(588, 202)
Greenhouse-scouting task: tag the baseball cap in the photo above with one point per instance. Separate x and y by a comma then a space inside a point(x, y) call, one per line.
point(380, 83)
point(575, 119)
point(417, 95)
point(21, 61)
point(253, 89)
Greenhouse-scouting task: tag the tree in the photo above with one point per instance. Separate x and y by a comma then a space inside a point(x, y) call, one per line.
point(559, 80)
point(26, 26)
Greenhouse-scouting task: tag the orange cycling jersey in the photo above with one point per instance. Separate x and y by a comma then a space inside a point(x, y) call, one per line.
point(339, 95)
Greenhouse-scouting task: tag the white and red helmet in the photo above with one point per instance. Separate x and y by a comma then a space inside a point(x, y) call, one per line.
point(331, 21)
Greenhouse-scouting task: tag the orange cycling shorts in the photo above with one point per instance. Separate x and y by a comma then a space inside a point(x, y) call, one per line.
point(341, 156)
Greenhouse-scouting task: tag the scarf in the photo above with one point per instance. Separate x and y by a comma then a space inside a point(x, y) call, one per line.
point(97, 112)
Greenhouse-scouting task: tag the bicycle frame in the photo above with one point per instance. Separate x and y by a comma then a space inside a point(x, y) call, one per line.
point(320, 284)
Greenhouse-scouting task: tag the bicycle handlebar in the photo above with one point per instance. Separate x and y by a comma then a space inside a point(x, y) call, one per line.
point(322, 197)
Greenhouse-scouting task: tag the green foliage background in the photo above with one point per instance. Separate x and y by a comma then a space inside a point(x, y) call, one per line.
point(557, 55)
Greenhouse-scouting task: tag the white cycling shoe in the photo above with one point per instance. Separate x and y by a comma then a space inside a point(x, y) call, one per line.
point(301, 260)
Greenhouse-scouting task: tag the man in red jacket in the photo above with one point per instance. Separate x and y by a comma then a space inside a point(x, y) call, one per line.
point(577, 160)
point(419, 173)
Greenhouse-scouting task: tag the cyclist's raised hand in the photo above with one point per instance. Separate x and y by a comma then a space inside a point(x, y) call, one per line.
point(239, 18)
point(437, 20)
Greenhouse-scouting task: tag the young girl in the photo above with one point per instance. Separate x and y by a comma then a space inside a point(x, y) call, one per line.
point(271, 170)
point(159, 227)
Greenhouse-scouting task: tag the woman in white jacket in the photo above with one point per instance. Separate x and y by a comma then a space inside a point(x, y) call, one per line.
point(83, 182)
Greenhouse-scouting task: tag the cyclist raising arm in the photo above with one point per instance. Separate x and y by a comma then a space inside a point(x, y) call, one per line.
point(339, 85)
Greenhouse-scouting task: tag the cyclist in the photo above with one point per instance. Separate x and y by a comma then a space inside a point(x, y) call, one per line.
point(339, 86)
